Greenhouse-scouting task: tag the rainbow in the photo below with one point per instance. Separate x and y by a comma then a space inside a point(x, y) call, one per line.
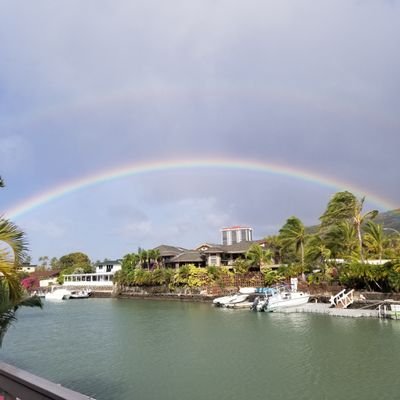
point(68, 187)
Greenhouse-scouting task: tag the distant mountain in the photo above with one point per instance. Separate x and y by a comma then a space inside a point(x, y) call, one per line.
point(389, 219)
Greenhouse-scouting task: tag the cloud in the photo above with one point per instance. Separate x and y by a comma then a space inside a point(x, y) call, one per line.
point(14, 151)
point(89, 88)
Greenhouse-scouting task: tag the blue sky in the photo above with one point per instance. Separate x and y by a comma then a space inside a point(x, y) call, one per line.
point(86, 87)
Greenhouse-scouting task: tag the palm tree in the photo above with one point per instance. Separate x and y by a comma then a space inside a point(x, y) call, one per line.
point(344, 206)
point(317, 250)
point(374, 238)
point(154, 257)
point(341, 240)
point(143, 257)
point(275, 246)
point(293, 234)
point(258, 256)
point(12, 252)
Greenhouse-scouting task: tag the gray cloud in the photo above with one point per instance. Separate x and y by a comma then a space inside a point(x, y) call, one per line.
point(90, 87)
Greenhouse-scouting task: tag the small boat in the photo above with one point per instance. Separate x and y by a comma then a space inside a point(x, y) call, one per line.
point(247, 290)
point(58, 294)
point(80, 294)
point(233, 299)
point(279, 297)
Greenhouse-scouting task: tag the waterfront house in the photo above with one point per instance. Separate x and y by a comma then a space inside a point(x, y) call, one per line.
point(205, 255)
point(103, 277)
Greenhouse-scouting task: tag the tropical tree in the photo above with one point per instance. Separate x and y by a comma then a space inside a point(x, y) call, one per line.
point(374, 239)
point(44, 260)
point(344, 206)
point(258, 256)
point(275, 246)
point(293, 234)
point(241, 265)
point(341, 240)
point(154, 257)
point(272, 277)
point(130, 261)
point(143, 258)
point(317, 251)
point(74, 260)
point(13, 247)
point(54, 263)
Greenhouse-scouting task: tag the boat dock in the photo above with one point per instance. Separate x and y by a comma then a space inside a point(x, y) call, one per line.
point(386, 309)
point(323, 308)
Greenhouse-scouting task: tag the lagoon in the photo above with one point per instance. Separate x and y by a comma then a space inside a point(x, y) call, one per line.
point(146, 349)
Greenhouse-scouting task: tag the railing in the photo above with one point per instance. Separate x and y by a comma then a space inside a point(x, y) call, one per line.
point(17, 384)
point(342, 299)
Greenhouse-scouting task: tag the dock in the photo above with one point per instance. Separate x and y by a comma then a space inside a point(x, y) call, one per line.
point(323, 308)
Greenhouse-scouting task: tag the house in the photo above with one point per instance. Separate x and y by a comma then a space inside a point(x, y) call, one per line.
point(27, 267)
point(103, 276)
point(205, 255)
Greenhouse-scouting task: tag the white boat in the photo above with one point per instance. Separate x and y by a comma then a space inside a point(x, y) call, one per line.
point(80, 294)
point(280, 297)
point(247, 290)
point(233, 299)
point(58, 294)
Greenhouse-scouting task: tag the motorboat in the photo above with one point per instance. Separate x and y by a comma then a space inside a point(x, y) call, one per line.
point(247, 290)
point(233, 299)
point(80, 294)
point(279, 297)
point(58, 294)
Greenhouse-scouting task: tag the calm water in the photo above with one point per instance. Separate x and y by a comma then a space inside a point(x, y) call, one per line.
point(127, 349)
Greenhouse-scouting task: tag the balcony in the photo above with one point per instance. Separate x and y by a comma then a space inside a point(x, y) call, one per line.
point(17, 384)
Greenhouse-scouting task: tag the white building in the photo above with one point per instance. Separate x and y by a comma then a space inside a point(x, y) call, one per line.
point(236, 234)
point(26, 267)
point(102, 277)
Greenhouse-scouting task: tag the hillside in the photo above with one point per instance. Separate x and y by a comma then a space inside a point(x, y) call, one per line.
point(389, 219)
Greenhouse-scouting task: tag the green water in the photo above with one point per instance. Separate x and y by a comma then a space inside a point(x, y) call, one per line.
point(138, 349)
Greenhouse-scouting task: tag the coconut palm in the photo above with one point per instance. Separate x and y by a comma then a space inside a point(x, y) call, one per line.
point(275, 246)
point(344, 206)
point(13, 247)
point(317, 251)
point(258, 256)
point(154, 257)
point(293, 234)
point(374, 238)
point(341, 239)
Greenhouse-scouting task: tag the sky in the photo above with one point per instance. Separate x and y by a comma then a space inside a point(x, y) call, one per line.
point(90, 87)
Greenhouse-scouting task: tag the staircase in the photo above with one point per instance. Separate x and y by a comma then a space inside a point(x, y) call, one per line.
point(342, 299)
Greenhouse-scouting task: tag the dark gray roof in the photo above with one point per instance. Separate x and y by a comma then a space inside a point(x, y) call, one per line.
point(168, 251)
point(109, 262)
point(236, 248)
point(190, 256)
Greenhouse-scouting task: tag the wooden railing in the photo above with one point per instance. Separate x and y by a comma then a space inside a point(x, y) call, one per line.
point(342, 299)
point(18, 384)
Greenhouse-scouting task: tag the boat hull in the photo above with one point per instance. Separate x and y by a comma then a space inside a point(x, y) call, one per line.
point(296, 299)
point(58, 294)
point(234, 299)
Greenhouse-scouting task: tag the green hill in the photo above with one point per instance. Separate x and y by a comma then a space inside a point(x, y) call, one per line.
point(389, 220)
